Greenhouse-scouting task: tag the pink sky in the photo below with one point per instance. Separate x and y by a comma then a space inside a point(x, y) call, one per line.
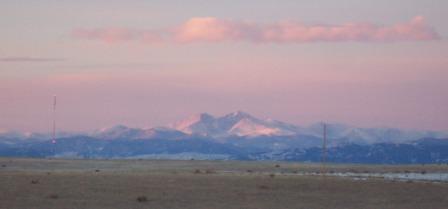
point(365, 63)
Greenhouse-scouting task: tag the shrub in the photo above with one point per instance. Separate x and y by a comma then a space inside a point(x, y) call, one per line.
point(209, 171)
point(53, 196)
point(142, 199)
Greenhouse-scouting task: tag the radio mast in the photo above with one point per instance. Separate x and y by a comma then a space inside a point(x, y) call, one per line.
point(54, 120)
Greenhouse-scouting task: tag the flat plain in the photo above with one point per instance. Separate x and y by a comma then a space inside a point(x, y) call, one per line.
point(127, 184)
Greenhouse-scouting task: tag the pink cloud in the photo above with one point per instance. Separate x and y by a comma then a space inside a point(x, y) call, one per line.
point(211, 29)
point(215, 30)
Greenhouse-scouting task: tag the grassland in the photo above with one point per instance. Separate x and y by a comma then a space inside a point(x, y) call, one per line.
point(127, 184)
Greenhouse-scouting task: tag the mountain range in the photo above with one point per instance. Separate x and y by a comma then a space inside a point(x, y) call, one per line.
point(237, 135)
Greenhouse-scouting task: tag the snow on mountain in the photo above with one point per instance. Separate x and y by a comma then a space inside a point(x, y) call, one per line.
point(228, 121)
point(237, 135)
point(200, 124)
point(234, 124)
point(162, 133)
point(246, 127)
point(124, 132)
point(241, 125)
point(13, 134)
point(344, 134)
point(17, 136)
point(118, 131)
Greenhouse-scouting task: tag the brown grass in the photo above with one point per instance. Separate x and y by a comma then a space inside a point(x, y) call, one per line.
point(120, 184)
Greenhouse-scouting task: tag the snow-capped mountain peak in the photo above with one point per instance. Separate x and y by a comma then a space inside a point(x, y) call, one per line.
point(242, 125)
point(238, 123)
point(238, 115)
point(200, 124)
point(247, 127)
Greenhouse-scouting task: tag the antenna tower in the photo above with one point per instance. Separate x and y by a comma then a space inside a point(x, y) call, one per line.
point(54, 120)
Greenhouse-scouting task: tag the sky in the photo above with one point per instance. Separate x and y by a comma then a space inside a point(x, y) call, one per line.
point(367, 63)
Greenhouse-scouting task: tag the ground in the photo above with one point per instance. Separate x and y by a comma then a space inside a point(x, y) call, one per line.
point(128, 184)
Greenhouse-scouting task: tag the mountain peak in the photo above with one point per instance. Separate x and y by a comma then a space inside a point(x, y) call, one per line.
point(204, 116)
point(239, 113)
point(237, 116)
point(195, 124)
point(236, 123)
point(114, 132)
point(113, 128)
point(248, 127)
point(119, 127)
point(199, 117)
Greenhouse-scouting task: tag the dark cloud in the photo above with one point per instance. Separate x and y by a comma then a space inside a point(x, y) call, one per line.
point(30, 59)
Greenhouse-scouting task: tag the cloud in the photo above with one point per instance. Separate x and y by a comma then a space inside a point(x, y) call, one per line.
point(29, 59)
point(211, 29)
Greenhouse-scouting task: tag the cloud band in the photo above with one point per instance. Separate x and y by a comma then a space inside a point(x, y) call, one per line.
point(214, 30)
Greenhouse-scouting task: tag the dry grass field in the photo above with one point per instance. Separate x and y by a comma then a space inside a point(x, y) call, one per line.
point(152, 184)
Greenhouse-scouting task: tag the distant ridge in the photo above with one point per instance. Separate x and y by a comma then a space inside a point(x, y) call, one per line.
point(241, 124)
point(236, 136)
